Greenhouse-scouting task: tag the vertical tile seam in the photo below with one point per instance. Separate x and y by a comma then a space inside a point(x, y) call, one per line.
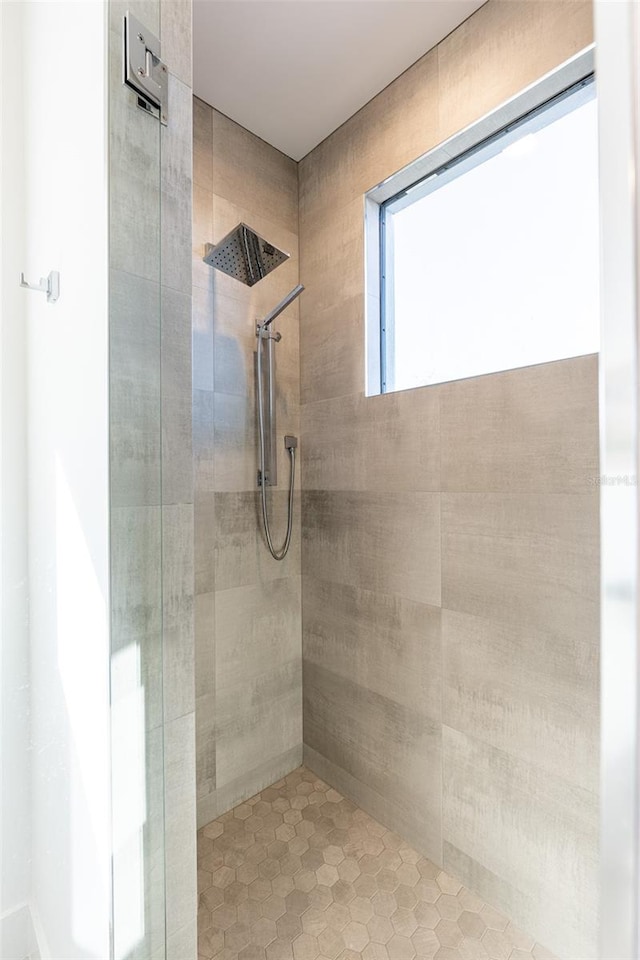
point(301, 472)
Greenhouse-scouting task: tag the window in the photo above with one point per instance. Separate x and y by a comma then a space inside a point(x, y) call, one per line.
point(491, 261)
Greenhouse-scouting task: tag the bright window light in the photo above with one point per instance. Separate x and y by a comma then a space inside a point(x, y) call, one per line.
point(492, 262)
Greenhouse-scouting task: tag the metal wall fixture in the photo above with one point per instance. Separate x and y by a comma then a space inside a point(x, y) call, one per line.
point(248, 257)
point(267, 439)
point(49, 285)
point(244, 255)
point(144, 71)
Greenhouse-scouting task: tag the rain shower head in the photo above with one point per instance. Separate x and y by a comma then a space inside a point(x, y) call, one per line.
point(244, 255)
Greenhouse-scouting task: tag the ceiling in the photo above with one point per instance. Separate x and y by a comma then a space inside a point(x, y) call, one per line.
point(292, 71)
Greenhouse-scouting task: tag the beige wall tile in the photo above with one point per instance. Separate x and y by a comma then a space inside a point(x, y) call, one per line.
point(241, 557)
point(332, 350)
point(204, 627)
point(257, 719)
point(176, 189)
point(203, 440)
point(202, 145)
point(135, 390)
point(201, 273)
point(529, 693)
point(383, 542)
point(257, 630)
point(383, 443)
point(136, 582)
point(180, 822)
point(251, 173)
point(252, 781)
point(332, 259)
point(381, 642)
point(206, 752)
point(235, 340)
point(204, 527)
point(389, 748)
point(524, 559)
point(504, 47)
point(496, 810)
point(177, 610)
point(531, 429)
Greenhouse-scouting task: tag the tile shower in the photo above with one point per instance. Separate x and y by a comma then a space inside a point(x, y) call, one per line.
point(430, 645)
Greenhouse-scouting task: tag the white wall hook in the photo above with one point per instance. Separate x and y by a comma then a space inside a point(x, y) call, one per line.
point(49, 285)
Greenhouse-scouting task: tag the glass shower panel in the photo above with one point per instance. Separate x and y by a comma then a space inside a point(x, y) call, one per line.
point(137, 709)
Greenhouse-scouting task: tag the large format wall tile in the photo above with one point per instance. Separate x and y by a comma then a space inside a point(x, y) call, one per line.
point(180, 824)
point(332, 361)
point(178, 619)
point(202, 145)
point(204, 541)
point(530, 693)
point(390, 748)
point(256, 630)
point(257, 719)
point(250, 173)
point(386, 443)
point(203, 440)
point(136, 572)
point(527, 559)
point(176, 183)
point(332, 259)
point(537, 832)
point(206, 793)
point(204, 629)
point(134, 359)
point(531, 429)
point(502, 49)
point(241, 556)
point(380, 641)
point(387, 542)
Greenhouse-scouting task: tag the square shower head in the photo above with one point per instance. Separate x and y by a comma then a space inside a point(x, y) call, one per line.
point(244, 255)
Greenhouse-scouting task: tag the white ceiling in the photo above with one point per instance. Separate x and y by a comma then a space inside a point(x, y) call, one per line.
point(291, 71)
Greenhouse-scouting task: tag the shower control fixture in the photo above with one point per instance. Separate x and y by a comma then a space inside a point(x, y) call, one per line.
point(144, 71)
point(244, 255)
point(267, 437)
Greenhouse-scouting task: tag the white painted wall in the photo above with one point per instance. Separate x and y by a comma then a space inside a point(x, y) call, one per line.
point(60, 87)
point(15, 838)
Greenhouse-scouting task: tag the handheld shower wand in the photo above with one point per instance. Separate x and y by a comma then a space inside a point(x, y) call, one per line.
point(290, 442)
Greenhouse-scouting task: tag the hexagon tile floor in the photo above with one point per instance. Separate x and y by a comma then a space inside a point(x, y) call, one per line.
point(300, 873)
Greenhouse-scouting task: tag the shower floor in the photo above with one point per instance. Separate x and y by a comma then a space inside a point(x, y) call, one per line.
point(300, 873)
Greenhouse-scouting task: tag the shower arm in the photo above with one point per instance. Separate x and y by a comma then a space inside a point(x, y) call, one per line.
point(270, 317)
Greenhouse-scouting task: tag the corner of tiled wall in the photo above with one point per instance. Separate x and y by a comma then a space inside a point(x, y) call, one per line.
point(248, 619)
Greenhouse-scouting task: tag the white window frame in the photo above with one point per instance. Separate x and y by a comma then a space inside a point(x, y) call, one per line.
point(419, 178)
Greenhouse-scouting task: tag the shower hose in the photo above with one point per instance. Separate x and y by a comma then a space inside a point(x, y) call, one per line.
point(282, 552)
